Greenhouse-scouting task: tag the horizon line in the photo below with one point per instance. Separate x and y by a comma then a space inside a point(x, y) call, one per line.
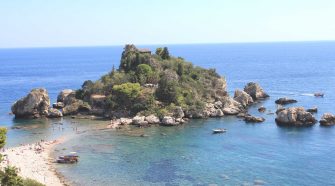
point(166, 44)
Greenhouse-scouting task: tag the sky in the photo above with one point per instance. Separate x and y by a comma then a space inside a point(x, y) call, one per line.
point(55, 23)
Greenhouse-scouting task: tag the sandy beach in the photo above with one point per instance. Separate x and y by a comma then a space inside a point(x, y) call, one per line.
point(34, 161)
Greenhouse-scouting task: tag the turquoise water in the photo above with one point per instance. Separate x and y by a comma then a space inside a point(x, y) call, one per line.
point(188, 154)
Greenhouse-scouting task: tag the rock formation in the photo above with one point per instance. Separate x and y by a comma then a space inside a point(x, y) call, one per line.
point(34, 105)
point(255, 91)
point(294, 116)
point(243, 98)
point(327, 119)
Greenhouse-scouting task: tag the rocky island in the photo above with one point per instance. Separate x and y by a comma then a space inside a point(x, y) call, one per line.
point(147, 88)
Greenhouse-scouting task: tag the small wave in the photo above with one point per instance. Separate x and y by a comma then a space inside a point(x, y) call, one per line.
point(307, 94)
point(283, 92)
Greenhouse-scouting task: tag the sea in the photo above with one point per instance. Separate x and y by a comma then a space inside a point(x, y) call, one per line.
point(189, 154)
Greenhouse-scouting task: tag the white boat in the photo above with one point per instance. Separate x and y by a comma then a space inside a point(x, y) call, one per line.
point(216, 131)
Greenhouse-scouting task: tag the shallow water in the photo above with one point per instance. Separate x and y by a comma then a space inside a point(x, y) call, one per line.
point(188, 154)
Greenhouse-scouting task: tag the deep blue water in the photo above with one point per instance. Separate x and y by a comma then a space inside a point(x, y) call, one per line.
point(188, 154)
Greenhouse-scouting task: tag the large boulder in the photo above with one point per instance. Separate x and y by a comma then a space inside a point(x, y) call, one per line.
point(243, 98)
point(76, 106)
point(294, 116)
point(152, 119)
point(169, 121)
point(63, 94)
point(255, 91)
point(126, 121)
point(285, 100)
point(138, 120)
point(327, 119)
point(253, 119)
point(54, 113)
point(34, 105)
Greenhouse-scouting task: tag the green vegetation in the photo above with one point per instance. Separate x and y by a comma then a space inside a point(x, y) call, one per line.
point(9, 176)
point(150, 83)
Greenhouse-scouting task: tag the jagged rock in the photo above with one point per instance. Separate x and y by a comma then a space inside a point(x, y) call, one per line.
point(312, 110)
point(255, 91)
point(34, 105)
point(218, 113)
point(178, 112)
point(152, 119)
point(295, 116)
point(63, 94)
point(220, 86)
point(126, 121)
point(54, 113)
point(137, 120)
point(243, 98)
point(169, 121)
point(285, 100)
point(70, 98)
point(261, 109)
point(58, 105)
point(218, 104)
point(253, 119)
point(75, 107)
point(231, 107)
point(327, 119)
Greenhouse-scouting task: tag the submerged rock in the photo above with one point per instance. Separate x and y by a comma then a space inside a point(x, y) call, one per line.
point(243, 98)
point(327, 119)
point(34, 105)
point(255, 91)
point(261, 109)
point(285, 100)
point(294, 116)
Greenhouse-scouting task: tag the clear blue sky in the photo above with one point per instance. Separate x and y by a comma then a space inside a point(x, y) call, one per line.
point(38, 23)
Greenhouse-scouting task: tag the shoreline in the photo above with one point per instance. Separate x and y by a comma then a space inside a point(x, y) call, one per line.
point(35, 161)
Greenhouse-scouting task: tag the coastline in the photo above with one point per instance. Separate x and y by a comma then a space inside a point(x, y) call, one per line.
point(35, 161)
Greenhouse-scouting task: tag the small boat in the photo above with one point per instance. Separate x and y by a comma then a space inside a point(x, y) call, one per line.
point(319, 94)
point(217, 131)
point(68, 159)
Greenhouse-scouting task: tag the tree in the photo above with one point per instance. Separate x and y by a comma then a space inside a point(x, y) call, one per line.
point(167, 91)
point(10, 177)
point(163, 53)
point(143, 72)
point(180, 70)
point(3, 132)
point(125, 94)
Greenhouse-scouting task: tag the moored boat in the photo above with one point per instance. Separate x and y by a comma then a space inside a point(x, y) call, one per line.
point(217, 131)
point(71, 158)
